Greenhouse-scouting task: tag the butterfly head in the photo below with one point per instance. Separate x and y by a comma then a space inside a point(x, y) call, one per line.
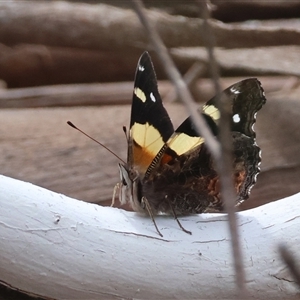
point(130, 188)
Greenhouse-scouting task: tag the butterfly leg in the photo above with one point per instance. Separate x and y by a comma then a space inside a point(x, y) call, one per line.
point(145, 202)
point(116, 189)
point(176, 218)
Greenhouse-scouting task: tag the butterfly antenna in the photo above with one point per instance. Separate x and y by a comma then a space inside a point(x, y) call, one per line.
point(126, 133)
point(72, 125)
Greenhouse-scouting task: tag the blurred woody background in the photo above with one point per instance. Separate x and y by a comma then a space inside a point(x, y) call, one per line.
point(75, 60)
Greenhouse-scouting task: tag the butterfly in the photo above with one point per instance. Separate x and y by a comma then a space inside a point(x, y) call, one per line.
point(171, 171)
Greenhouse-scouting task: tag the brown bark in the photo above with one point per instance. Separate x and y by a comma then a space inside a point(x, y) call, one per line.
point(265, 60)
point(105, 27)
point(32, 65)
point(120, 93)
point(226, 11)
point(28, 65)
point(68, 95)
point(235, 11)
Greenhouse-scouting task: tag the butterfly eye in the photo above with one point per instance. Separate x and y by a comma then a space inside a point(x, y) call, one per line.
point(124, 175)
point(124, 183)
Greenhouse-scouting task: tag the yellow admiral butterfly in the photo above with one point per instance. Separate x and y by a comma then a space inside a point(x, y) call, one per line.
point(172, 171)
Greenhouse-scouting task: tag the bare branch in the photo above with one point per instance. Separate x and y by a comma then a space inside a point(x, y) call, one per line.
point(190, 78)
point(224, 164)
point(86, 251)
point(291, 262)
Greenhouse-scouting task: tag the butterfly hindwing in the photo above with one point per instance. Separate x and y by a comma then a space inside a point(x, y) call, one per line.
point(186, 137)
point(150, 125)
point(246, 98)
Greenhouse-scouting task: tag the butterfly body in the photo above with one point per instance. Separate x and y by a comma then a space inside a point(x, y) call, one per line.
point(172, 171)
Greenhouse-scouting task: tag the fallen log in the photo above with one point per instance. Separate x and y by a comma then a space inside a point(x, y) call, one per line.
point(261, 60)
point(36, 65)
point(116, 93)
point(58, 247)
point(90, 26)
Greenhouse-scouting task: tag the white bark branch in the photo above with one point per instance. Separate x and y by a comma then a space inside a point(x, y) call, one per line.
point(62, 248)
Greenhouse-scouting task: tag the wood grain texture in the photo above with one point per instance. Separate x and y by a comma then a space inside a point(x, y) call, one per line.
point(90, 26)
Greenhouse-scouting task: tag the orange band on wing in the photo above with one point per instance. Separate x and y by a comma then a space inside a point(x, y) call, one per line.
point(142, 158)
point(147, 142)
point(166, 158)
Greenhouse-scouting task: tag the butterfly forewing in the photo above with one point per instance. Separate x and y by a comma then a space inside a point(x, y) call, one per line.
point(245, 98)
point(150, 125)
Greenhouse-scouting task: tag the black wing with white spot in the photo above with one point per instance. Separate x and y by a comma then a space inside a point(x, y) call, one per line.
point(150, 124)
point(247, 98)
point(147, 105)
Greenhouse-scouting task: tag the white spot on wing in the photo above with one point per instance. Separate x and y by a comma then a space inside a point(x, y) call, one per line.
point(141, 68)
point(236, 118)
point(234, 91)
point(152, 97)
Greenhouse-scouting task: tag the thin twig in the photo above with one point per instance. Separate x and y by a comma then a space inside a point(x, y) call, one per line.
point(181, 88)
point(225, 164)
point(190, 78)
point(290, 261)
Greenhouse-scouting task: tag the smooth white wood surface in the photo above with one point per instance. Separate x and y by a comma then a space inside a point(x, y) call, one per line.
point(55, 246)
